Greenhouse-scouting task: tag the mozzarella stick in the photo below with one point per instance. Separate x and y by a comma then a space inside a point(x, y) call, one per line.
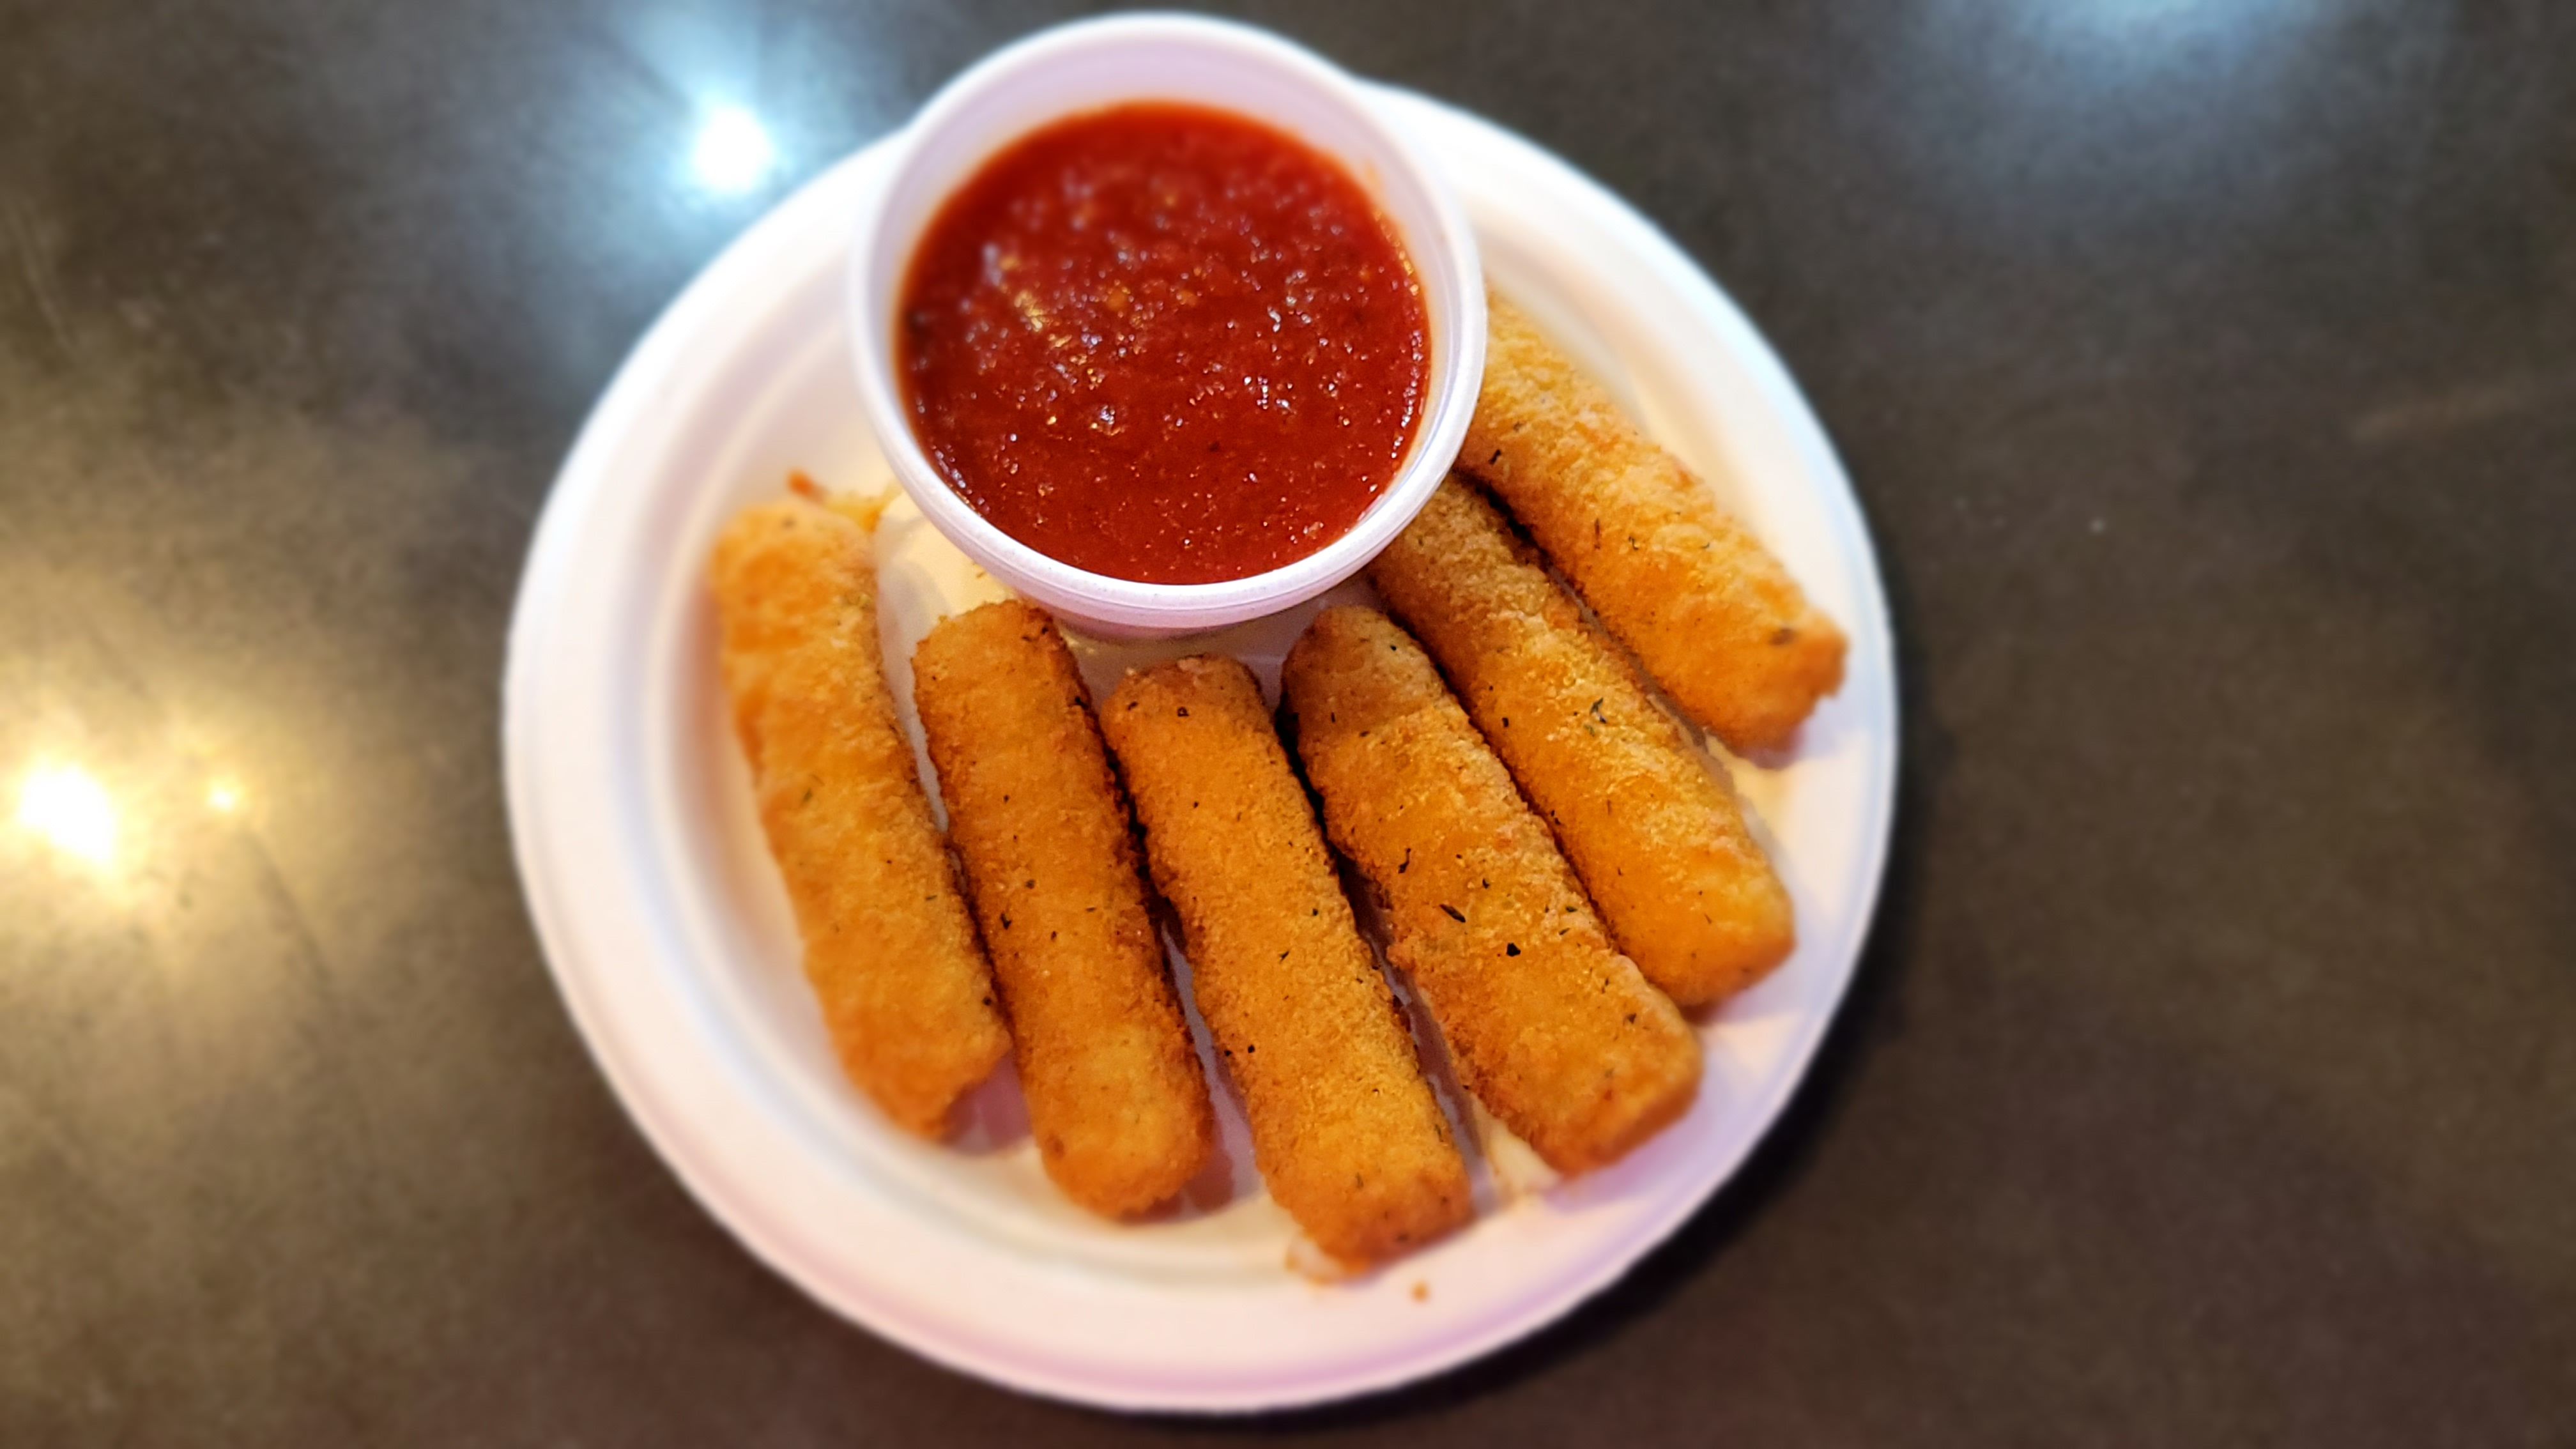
point(1344, 1128)
point(1711, 613)
point(1655, 834)
point(1555, 1032)
point(889, 948)
point(1116, 1099)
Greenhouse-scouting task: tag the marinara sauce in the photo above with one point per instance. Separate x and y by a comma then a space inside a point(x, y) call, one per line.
point(1163, 342)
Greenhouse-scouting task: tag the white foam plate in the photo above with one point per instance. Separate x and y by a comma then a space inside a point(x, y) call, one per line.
point(670, 936)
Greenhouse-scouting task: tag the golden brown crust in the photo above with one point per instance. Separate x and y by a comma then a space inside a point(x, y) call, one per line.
point(889, 948)
point(1116, 1099)
point(1555, 1032)
point(1655, 834)
point(1344, 1128)
point(1711, 613)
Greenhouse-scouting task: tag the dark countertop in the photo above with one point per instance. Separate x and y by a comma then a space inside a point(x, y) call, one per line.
point(2208, 371)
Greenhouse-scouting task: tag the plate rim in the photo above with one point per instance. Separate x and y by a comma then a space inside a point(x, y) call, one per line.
point(628, 396)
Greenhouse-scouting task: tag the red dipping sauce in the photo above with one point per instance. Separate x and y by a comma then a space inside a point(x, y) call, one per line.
point(1165, 343)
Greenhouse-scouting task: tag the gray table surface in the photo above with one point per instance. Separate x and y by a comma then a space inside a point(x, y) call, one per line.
point(2207, 368)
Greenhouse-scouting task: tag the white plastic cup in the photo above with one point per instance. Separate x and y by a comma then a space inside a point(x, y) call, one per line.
point(1093, 64)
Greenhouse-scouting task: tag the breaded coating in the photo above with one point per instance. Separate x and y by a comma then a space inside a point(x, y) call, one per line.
point(1555, 1032)
point(1655, 834)
point(1343, 1126)
point(889, 948)
point(1711, 613)
point(1116, 1099)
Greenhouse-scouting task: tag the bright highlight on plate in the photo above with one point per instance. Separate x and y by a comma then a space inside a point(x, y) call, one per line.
point(70, 810)
point(223, 797)
point(733, 151)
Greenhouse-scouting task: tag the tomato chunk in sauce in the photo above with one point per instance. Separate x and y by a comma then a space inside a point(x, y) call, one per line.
point(1164, 342)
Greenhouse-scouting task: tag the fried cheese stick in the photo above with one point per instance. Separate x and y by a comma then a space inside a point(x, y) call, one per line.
point(889, 949)
point(1116, 1099)
point(1711, 613)
point(1555, 1032)
point(1656, 835)
point(1344, 1128)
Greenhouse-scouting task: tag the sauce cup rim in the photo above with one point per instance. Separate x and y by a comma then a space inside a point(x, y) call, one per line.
point(951, 137)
